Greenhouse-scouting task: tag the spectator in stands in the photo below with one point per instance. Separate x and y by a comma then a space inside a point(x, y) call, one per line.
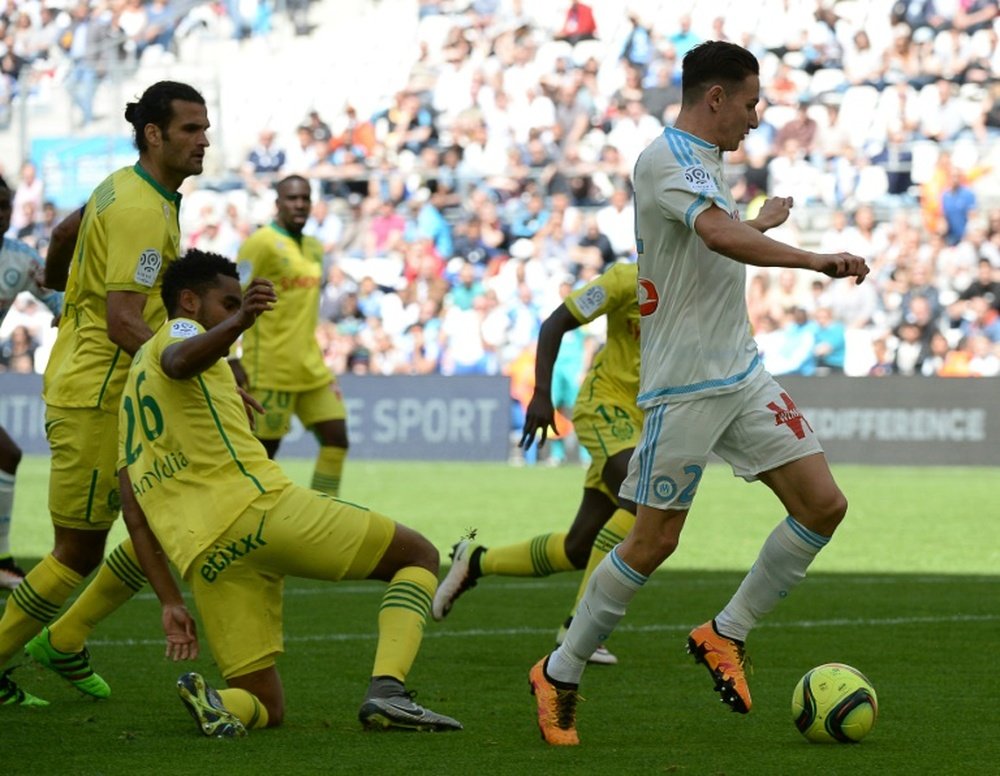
point(265, 161)
point(17, 353)
point(958, 204)
point(337, 286)
point(465, 288)
point(304, 154)
point(684, 39)
point(578, 25)
point(30, 189)
point(325, 226)
point(911, 350)
point(39, 231)
point(883, 365)
point(385, 231)
point(937, 353)
point(985, 285)
point(352, 134)
point(88, 49)
point(633, 130)
point(802, 128)
point(419, 354)
point(595, 248)
point(830, 348)
point(984, 361)
point(405, 127)
point(616, 221)
point(981, 319)
point(662, 97)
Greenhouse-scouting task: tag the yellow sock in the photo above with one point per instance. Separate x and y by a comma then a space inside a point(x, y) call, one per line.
point(34, 603)
point(245, 705)
point(118, 579)
point(329, 467)
point(401, 619)
point(537, 557)
point(614, 532)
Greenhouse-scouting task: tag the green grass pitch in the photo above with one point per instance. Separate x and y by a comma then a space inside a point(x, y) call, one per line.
point(908, 592)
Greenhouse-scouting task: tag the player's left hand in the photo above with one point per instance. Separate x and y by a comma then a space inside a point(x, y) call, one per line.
point(774, 212)
point(539, 417)
point(182, 632)
point(250, 405)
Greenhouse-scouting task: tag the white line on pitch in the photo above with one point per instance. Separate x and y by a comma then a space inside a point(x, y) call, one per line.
point(654, 628)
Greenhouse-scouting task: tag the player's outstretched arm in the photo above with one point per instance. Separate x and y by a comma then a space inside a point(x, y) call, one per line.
point(190, 357)
point(60, 252)
point(540, 415)
point(745, 244)
point(178, 624)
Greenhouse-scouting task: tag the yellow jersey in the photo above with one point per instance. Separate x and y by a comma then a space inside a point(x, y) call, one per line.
point(614, 374)
point(194, 463)
point(280, 350)
point(129, 235)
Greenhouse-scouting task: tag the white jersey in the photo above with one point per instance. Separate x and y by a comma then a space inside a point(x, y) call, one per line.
point(695, 336)
point(21, 269)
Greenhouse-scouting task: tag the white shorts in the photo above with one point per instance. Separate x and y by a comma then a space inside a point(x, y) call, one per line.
point(754, 429)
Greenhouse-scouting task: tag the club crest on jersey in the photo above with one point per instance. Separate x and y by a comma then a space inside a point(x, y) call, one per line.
point(591, 300)
point(183, 329)
point(649, 297)
point(148, 268)
point(699, 180)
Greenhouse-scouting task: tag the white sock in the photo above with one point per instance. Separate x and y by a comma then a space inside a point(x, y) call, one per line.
point(6, 508)
point(612, 586)
point(781, 565)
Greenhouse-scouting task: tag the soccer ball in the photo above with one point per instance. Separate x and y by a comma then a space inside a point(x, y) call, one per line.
point(834, 703)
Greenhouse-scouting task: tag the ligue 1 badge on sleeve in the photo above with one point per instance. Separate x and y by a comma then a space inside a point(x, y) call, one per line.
point(699, 179)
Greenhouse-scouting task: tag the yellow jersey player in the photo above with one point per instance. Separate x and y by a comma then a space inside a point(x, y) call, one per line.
point(282, 364)
point(21, 269)
point(607, 422)
point(128, 235)
point(234, 525)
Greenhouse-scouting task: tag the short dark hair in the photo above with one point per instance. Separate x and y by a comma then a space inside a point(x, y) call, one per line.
point(715, 61)
point(195, 270)
point(156, 107)
point(288, 179)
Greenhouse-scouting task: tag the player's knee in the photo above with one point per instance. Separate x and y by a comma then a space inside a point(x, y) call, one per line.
point(275, 713)
point(577, 553)
point(418, 551)
point(82, 557)
point(827, 511)
point(10, 457)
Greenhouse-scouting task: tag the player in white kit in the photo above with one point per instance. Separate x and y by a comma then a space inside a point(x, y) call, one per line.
point(21, 269)
point(703, 389)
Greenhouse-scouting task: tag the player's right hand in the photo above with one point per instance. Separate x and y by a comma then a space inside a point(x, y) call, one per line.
point(181, 631)
point(843, 265)
point(258, 298)
point(538, 418)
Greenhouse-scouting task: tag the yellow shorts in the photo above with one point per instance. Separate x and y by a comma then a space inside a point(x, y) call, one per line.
point(238, 582)
point(605, 429)
point(83, 480)
point(312, 407)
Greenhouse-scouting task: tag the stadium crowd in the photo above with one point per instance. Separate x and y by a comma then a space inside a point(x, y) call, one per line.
point(458, 214)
